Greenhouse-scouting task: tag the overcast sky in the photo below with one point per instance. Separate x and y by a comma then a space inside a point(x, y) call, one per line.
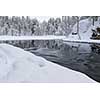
point(42, 18)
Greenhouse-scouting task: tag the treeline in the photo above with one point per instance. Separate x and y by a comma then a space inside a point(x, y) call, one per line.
point(24, 25)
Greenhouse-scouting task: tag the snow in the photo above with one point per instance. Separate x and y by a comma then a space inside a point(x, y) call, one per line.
point(73, 39)
point(90, 41)
point(85, 27)
point(17, 65)
point(48, 37)
point(85, 32)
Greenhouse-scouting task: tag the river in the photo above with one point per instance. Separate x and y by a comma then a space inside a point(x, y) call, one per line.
point(84, 58)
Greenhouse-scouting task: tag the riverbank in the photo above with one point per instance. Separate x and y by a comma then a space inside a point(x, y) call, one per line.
point(17, 65)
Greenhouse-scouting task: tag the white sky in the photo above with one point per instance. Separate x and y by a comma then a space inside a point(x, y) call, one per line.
point(42, 18)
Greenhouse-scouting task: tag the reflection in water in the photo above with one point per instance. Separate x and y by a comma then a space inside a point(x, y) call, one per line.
point(80, 57)
point(95, 48)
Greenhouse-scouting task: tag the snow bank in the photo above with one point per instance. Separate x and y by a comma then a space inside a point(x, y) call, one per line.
point(17, 65)
point(43, 18)
point(13, 38)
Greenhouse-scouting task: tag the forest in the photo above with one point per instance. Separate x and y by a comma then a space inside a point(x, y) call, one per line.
point(27, 26)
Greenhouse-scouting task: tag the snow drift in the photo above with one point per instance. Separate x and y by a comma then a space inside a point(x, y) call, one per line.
point(17, 65)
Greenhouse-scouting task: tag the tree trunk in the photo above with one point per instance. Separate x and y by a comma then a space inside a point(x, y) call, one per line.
point(78, 27)
point(93, 21)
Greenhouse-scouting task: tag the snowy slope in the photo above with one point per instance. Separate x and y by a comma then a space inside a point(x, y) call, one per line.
point(85, 33)
point(17, 65)
point(85, 27)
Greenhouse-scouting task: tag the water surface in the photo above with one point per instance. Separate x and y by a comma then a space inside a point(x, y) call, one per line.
point(84, 58)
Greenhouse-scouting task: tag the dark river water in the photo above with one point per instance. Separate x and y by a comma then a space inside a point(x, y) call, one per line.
point(84, 58)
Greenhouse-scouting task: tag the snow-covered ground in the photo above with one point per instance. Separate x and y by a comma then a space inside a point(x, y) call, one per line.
point(90, 41)
point(85, 31)
point(17, 65)
point(47, 37)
